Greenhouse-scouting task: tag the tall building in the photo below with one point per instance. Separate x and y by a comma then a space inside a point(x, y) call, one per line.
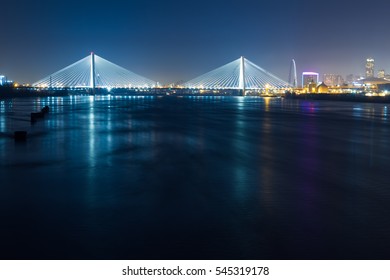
point(370, 68)
point(292, 76)
point(2, 80)
point(351, 79)
point(381, 73)
point(309, 77)
point(333, 79)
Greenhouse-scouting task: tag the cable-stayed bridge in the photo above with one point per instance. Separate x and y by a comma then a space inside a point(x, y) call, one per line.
point(93, 72)
point(240, 74)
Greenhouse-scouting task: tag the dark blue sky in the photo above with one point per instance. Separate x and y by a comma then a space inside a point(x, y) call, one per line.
point(178, 40)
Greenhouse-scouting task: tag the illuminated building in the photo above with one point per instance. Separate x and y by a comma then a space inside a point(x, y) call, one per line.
point(370, 68)
point(309, 77)
point(311, 87)
point(333, 79)
point(371, 85)
point(373, 81)
point(381, 73)
point(322, 88)
point(2, 80)
point(350, 79)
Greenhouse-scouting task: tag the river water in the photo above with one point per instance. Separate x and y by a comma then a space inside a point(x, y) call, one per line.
point(138, 177)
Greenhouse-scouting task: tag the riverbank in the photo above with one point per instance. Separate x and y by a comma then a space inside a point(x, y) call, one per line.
point(10, 92)
point(340, 97)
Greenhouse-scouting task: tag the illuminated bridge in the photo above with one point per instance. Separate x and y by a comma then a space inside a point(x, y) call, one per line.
point(94, 72)
point(240, 74)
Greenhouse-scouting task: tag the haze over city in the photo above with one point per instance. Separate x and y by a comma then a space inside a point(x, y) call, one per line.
point(174, 40)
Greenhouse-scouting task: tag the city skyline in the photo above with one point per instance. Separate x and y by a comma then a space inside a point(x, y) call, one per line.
point(172, 40)
point(328, 78)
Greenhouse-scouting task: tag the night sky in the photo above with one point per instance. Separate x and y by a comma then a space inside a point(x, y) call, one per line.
point(173, 40)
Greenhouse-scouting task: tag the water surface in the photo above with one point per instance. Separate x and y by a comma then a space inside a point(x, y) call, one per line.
point(194, 178)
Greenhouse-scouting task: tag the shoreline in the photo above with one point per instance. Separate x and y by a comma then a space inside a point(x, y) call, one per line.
point(9, 92)
point(347, 97)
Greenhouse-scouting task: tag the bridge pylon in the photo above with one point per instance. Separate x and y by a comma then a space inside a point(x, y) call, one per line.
point(242, 75)
point(92, 76)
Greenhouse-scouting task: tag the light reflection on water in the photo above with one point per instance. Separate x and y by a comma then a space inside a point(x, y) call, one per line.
point(101, 176)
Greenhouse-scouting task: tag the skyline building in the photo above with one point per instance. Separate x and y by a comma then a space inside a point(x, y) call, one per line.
point(309, 77)
point(292, 77)
point(2, 80)
point(351, 79)
point(333, 79)
point(381, 73)
point(370, 63)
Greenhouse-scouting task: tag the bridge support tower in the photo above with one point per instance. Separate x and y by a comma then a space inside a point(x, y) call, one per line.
point(242, 75)
point(92, 77)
